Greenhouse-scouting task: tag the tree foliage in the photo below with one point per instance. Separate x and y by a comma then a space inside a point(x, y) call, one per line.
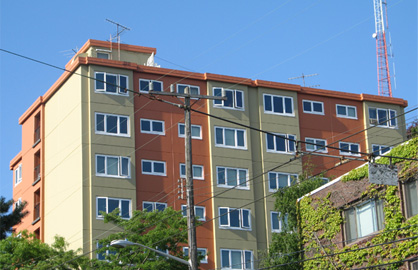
point(412, 130)
point(7, 221)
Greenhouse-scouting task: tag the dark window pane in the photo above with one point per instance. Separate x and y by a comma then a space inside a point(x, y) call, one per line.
point(239, 98)
point(242, 178)
point(125, 166)
point(248, 260)
point(145, 125)
point(317, 107)
point(307, 106)
point(223, 213)
point(217, 92)
point(160, 206)
point(99, 81)
point(158, 86)
point(148, 207)
point(180, 88)
point(111, 83)
point(225, 258)
point(245, 218)
point(275, 221)
point(157, 126)
point(280, 143)
point(182, 169)
point(221, 176)
point(158, 167)
point(144, 85)
point(283, 180)
point(392, 118)
point(351, 112)
point(100, 166)
point(181, 129)
point(123, 84)
point(184, 212)
point(112, 204)
point(101, 206)
point(288, 105)
point(146, 166)
point(240, 138)
point(234, 218)
point(376, 149)
point(123, 126)
point(291, 143)
point(111, 124)
point(219, 136)
point(341, 110)
point(125, 209)
point(270, 142)
point(100, 122)
point(372, 113)
point(229, 102)
point(354, 149)
point(345, 147)
point(194, 90)
point(267, 103)
point(278, 104)
point(272, 181)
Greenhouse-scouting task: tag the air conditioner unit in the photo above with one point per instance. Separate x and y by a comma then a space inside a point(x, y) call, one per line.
point(373, 121)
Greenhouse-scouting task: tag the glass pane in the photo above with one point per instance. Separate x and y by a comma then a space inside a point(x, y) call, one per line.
point(125, 167)
point(217, 92)
point(180, 88)
point(194, 90)
point(272, 181)
point(291, 142)
point(112, 204)
point(366, 219)
point(111, 124)
point(143, 85)
point(181, 129)
point(184, 210)
point(158, 86)
point(234, 220)
point(345, 147)
point(351, 224)
point(157, 126)
point(231, 177)
point(288, 105)
point(309, 146)
point(224, 258)
point(372, 113)
point(275, 221)
point(159, 167)
point(100, 122)
point(236, 259)
point(270, 142)
point(101, 206)
point(355, 149)
point(195, 131)
point(411, 198)
point(278, 104)
point(383, 117)
point(341, 110)
point(99, 81)
point(223, 213)
point(100, 166)
point(197, 171)
point(376, 149)
point(248, 260)
point(280, 143)
point(317, 107)
point(200, 212)
point(160, 206)
point(245, 218)
point(322, 144)
point(242, 178)
point(125, 209)
point(112, 166)
point(145, 125)
point(123, 126)
point(183, 170)
point(148, 207)
point(351, 112)
point(240, 138)
point(307, 106)
point(392, 118)
point(221, 176)
point(219, 136)
point(123, 84)
point(267, 103)
point(238, 99)
point(230, 137)
point(111, 83)
point(230, 98)
point(146, 166)
point(283, 180)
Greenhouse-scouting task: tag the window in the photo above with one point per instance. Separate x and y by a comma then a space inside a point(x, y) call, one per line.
point(233, 218)
point(102, 255)
point(236, 259)
point(107, 205)
point(277, 221)
point(153, 206)
point(380, 149)
point(111, 83)
point(232, 177)
point(234, 98)
point(197, 171)
point(146, 85)
point(18, 174)
point(194, 90)
point(411, 198)
point(317, 145)
point(280, 180)
point(37, 133)
point(152, 126)
point(199, 212)
point(153, 167)
point(346, 111)
point(37, 206)
point(37, 167)
point(382, 117)
point(18, 203)
point(113, 166)
point(110, 124)
point(351, 149)
point(414, 265)
point(281, 143)
point(201, 253)
point(196, 131)
point(315, 107)
point(363, 219)
point(278, 105)
point(230, 137)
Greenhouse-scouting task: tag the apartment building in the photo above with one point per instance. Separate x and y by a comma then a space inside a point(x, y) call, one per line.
point(95, 141)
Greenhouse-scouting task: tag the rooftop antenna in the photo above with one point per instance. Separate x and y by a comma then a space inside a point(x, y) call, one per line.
point(70, 52)
point(303, 78)
point(119, 30)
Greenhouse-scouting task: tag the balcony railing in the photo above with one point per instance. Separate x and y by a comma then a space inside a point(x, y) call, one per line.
point(37, 135)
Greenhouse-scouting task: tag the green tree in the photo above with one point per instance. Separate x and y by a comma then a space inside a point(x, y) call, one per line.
point(164, 230)
point(7, 221)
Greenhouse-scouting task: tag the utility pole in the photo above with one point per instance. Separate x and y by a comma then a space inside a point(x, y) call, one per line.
point(191, 221)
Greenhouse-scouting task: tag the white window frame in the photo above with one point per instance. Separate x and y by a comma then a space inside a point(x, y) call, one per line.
point(235, 138)
point(18, 202)
point(349, 153)
point(240, 216)
point(389, 122)
point(284, 113)
point(288, 141)
point(120, 169)
point(409, 192)
point(184, 208)
point(346, 108)
point(202, 177)
point(279, 220)
point(154, 205)
point(237, 186)
point(380, 149)
point(191, 87)
point(316, 148)
point(104, 90)
point(18, 174)
point(182, 126)
point(118, 133)
point(221, 103)
point(312, 103)
point(152, 167)
point(99, 216)
point(151, 121)
point(199, 250)
point(290, 177)
point(149, 82)
point(243, 261)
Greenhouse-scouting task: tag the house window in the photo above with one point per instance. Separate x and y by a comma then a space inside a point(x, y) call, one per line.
point(111, 83)
point(277, 221)
point(108, 205)
point(236, 259)
point(152, 126)
point(153, 206)
point(317, 145)
point(382, 117)
point(18, 203)
point(351, 149)
point(153, 167)
point(363, 219)
point(103, 55)
point(315, 107)
point(195, 130)
point(280, 105)
point(197, 171)
point(234, 218)
point(146, 85)
point(199, 212)
point(230, 138)
point(232, 177)
point(201, 252)
point(281, 143)
point(194, 90)
point(234, 98)
point(414, 265)
point(411, 198)
point(37, 205)
point(102, 255)
point(111, 124)
point(346, 111)
point(37, 129)
point(280, 180)
point(113, 166)
point(37, 167)
point(380, 149)
point(18, 174)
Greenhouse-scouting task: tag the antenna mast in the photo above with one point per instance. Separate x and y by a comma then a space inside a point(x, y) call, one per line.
point(119, 30)
point(303, 78)
point(383, 73)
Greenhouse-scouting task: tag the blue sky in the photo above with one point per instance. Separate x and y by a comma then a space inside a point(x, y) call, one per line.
point(268, 40)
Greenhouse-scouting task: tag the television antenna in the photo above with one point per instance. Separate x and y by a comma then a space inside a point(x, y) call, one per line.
point(119, 30)
point(303, 79)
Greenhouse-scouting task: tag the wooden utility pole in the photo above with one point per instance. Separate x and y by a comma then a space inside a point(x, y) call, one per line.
point(191, 221)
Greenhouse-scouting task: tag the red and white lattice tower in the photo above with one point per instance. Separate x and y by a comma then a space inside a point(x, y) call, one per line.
point(383, 73)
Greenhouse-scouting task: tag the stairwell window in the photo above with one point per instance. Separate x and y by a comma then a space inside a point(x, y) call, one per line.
point(234, 98)
point(350, 149)
point(152, 126)
point(280, 105)
point(383, 117)
point(281, 143)
point(111, 83)
point(314, 107)
point(230, 138)
point(18, 174)
point(234, 218)
point(280, 180)
point(236, 259)
point(199, 212)
point(346, 111)
point(232, 177)
point(153, 206)
point(146, 85)
point(108, 205)
point(153, 167)
point(113, 166)
point(112, 124)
